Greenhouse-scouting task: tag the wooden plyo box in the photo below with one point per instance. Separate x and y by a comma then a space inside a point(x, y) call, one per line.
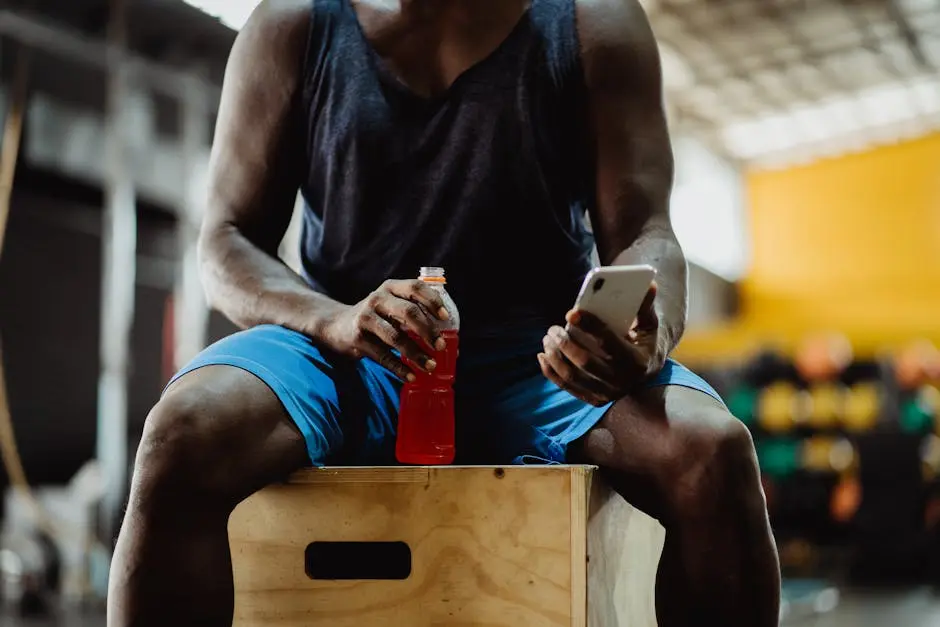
point(518, 546)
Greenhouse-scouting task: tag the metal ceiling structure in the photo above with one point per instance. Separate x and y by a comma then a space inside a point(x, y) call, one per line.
point(773, 82)
point(777, 82)
point(761, 82)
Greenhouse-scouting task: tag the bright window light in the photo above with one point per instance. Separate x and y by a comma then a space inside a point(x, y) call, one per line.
point(830, 126)
point(708, 212)
point(232, 13)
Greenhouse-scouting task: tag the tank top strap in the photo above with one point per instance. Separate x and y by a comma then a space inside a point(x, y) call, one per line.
point(325, 17)
point(562, 84)
point(556, 21)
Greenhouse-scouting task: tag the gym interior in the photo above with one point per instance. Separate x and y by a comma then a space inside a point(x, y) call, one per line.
point(806, 137)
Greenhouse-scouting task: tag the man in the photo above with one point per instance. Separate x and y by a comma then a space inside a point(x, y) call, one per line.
point(473, 135)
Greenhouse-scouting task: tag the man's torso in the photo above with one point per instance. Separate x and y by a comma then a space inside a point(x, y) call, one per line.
point(461, 144)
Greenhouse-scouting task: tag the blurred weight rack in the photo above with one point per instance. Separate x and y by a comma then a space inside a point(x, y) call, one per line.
point(849, 451)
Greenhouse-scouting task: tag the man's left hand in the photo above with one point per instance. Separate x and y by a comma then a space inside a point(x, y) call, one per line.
point(596, 364)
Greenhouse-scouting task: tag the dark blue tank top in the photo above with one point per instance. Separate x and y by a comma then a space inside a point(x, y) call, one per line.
point(490, 180)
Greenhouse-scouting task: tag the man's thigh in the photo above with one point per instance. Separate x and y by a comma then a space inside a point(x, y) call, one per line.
point(648, 442)
point(345, 410)
point(510, 413)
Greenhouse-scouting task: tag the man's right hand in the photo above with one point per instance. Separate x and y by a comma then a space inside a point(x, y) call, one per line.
point(381, 322)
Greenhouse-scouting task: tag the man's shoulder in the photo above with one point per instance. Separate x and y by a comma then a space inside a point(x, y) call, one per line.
point(278, 23)
point(273, 39)
point(616, 39)
point(284, 11)
point(610, 9)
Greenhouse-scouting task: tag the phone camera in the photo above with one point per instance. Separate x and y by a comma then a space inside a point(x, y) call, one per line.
point(598, 285)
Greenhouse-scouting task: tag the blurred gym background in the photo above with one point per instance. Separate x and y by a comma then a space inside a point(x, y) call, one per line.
point(807, 139)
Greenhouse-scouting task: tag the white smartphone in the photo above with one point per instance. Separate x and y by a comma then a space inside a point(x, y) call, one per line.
point(614, 294)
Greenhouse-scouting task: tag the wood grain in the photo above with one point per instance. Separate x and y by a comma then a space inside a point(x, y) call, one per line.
point(580, 493)
point(491, 547)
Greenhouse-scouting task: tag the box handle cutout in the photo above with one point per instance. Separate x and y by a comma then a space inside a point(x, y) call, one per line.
point(343, 561)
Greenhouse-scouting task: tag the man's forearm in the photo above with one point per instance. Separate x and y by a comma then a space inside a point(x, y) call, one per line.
point(252, 287)
point(659, 248)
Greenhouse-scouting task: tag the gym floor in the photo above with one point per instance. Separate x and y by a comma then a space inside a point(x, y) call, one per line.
point(916, 608)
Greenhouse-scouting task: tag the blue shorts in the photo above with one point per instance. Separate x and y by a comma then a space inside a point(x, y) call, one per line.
point(506, 410)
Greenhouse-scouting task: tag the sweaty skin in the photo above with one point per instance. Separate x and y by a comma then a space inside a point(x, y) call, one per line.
point(219, 434)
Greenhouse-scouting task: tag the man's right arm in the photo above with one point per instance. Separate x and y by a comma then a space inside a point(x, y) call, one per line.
point(255, 171)
point(254, 174)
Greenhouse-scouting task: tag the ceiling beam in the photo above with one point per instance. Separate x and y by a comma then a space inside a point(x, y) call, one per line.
point(160, 78)
point(908, 34)
point(762, 97)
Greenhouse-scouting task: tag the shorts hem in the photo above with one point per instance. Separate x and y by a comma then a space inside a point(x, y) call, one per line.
point(581, 427)
point(672, 374)
point(281, 391)
point(691, 385)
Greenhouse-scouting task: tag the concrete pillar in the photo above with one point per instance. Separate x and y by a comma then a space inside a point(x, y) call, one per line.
point(190, 309)
point(118, 271)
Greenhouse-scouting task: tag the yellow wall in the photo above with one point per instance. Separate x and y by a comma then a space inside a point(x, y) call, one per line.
point(851, 244)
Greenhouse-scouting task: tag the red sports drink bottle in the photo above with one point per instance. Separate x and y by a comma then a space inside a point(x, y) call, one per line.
point(426, 410)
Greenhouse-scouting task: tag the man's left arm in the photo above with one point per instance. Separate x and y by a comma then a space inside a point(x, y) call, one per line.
point(634, 158)
point(630, 218)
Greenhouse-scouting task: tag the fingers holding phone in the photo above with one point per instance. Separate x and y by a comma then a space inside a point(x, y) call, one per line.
point(610, 343)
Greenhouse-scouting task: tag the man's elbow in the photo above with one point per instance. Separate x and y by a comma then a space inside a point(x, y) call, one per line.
point(661, 230)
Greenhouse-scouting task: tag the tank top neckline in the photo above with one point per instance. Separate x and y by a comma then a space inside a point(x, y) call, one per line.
point(386, 74)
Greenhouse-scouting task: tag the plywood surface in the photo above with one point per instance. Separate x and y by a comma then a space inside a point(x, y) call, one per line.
point(624, 547)
point(491, 547)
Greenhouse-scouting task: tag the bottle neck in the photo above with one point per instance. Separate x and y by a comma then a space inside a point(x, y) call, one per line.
point(430, 274)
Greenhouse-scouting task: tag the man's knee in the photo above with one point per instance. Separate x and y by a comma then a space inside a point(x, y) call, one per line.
point(179, 450)
point(714, 464)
